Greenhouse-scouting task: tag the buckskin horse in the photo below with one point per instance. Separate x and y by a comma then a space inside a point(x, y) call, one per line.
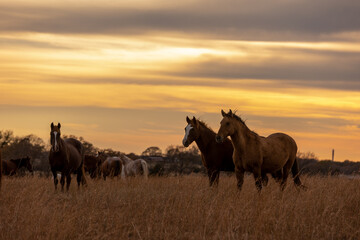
point(275, 154)
point(11, 167)
point(66, 156)
point(215, 156)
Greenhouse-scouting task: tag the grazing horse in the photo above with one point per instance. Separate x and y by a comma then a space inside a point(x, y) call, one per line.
point(275, 154)
point(112, 167)
point(66, 156)
point(215, 157)
point(11, 167)
point(92, 165)
point(132, 168)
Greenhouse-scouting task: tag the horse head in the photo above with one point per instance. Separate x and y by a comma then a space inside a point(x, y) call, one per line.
point(226, 126)
point(55, 137)
point(191, 131)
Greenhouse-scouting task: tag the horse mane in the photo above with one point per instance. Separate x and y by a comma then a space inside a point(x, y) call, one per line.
point(125, 159)
point(239, 119)
point(202, 123)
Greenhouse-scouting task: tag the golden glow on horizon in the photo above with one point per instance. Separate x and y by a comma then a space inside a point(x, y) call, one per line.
point(119, 72)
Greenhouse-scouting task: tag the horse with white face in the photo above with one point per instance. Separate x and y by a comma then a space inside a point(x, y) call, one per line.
point(132, 168)
point(66, 156)
point(215, 156)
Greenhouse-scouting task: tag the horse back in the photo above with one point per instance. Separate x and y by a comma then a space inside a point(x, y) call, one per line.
point(282, 139)
point(75, 153)
point(277, 149)
point(76, 144)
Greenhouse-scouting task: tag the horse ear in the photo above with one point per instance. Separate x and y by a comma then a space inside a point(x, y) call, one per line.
point(59, 125)
point(230, 112)
point(223, 113)
point(52, 125)
point(194, 121)
point(188, 119)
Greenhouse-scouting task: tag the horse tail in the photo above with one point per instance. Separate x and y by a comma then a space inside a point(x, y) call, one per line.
point(295, 172)
point(145, 168)
point(83, 178)
point(117, 169)
point(122, 174)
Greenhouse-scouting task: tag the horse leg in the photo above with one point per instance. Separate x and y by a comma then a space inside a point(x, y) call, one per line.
point(239, 177)
point(104, 175)
point(62, 181)
point(56, 181)
point(257, 177)
point(284, 177)
point(68, 181)
point(264, 179)
point(213, 177)
point(278, 175)
point(79, 177)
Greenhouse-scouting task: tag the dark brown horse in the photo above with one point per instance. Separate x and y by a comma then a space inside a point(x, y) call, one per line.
point(66, 156)
point(275, 154)
point(215, 157)
point(112, 167)
point(92, 165)
point(11, 167)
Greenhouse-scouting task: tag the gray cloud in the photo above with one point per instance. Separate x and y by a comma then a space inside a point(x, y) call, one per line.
point(252, 20)
point(335, 70)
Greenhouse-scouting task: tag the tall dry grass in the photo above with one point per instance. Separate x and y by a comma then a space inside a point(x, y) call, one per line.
point(180, 208)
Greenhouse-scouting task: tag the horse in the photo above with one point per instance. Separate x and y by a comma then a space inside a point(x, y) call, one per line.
point(132, 168)
point(112, 167)
point(275, 154)
point(92, 165)
point(66, 156)
point(11, 167)
point(215, 157)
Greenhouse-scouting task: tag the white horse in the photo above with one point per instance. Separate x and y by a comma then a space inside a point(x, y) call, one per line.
point(134, 167)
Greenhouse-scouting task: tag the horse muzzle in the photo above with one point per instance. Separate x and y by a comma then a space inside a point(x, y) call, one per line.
point(186, 143)
point(219, 139)
point(55, 148)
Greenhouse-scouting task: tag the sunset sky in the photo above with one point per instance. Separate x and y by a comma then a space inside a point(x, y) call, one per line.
point(125, 74)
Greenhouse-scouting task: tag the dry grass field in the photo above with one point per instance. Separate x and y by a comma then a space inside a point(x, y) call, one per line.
point(180, 208)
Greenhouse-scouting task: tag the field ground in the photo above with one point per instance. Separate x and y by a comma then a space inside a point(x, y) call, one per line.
point(180, 208)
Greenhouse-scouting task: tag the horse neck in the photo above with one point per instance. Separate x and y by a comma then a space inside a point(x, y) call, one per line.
point(62, 145)
point(126, 159)
point(62, 148)
point(242, 137)
point(206, 136)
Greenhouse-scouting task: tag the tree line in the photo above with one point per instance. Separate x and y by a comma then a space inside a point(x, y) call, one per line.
point(174, 160)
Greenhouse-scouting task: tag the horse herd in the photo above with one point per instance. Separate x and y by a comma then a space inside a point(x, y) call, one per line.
point(67, 156)
point(245, 152)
